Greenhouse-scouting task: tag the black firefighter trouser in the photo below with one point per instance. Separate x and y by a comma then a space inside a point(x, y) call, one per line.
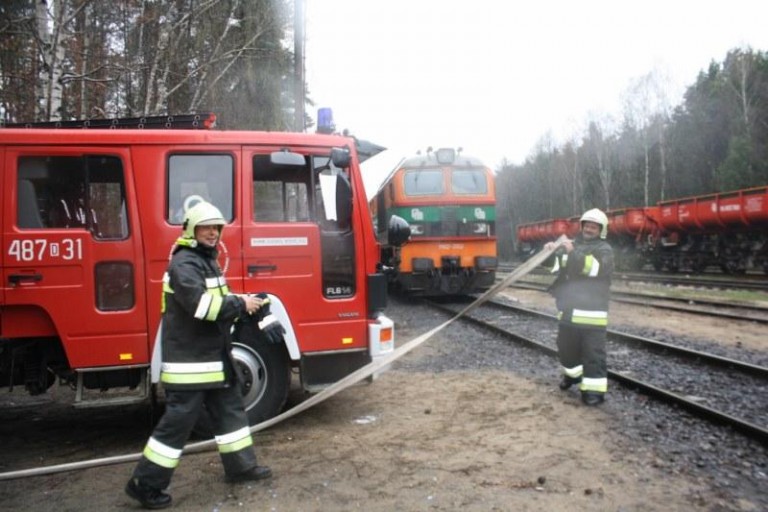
point(581, 351)
point(182, 409)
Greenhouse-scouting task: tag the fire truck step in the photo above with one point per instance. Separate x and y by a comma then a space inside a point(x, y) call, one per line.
point(84, 400)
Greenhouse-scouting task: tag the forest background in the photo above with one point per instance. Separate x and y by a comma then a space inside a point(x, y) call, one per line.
point(90, 59)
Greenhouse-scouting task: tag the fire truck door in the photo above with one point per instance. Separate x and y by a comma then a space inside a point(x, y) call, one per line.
point(294, 248)
point(72, 263)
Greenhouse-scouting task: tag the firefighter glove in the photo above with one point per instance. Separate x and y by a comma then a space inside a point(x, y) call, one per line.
point(269, 326)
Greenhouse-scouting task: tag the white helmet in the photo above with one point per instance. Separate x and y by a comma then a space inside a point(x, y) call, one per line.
point(598, 217)
point(201, 214)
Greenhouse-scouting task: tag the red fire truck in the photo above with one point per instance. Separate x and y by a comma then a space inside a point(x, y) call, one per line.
point(89, 218)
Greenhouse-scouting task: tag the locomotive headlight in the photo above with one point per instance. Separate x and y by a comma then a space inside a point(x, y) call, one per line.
point(480, 228)
point(417, 229)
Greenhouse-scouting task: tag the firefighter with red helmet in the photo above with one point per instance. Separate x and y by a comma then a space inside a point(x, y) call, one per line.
point(582, 293)
point(198, 369)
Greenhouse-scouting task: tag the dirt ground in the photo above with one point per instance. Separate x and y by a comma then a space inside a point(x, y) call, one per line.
point(458, 440)
point(409, 441)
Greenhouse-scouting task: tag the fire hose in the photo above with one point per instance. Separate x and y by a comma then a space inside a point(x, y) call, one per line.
point(354, 377)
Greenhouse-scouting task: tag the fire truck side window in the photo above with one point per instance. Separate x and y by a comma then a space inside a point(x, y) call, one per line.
point(295, 194)
point(280, 194)
point(336, 235)
point(75, 192)
point(194, 178)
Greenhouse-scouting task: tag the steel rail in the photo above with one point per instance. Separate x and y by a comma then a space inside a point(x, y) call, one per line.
point(750, 429)
point(725, 362)
point(750, 282)
point(617, 297)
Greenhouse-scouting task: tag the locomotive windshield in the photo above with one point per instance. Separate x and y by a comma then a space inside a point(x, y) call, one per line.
point(468, 181)
point(423, 182)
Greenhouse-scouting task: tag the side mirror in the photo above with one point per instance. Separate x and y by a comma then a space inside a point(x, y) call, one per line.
point(341, 157)
point(398, 231)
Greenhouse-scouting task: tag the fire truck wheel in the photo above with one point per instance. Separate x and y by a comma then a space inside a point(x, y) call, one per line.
point(267, 373)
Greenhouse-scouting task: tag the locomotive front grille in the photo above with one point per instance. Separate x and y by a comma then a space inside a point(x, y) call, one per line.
point(449, 224)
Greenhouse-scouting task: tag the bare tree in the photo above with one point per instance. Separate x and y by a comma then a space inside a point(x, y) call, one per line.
point(570, 163)
point(745, 84)
point(647, 106)
point(54, 33)
point(146, 57)
point(597, 147)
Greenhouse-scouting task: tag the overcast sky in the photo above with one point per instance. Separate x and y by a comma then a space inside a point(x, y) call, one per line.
point(495, 76)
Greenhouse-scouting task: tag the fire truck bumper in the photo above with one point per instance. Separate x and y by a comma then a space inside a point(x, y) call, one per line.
point(381, 334)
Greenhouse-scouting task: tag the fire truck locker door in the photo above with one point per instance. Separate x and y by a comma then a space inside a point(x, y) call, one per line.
point(72, 264)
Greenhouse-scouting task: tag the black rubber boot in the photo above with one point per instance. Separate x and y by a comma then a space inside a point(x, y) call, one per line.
point(592, 397)
point(567, 382)
point(149, 497)
point(255, 473)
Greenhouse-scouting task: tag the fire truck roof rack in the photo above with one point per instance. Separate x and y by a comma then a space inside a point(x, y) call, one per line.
point(202, 121)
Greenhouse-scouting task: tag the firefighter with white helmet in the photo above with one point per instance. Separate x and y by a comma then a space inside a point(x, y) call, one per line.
point(198, 369)
point(582, 293)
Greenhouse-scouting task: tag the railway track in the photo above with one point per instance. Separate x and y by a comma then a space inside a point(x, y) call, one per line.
point(752, 282)
point(718, 389)
point(727, 310)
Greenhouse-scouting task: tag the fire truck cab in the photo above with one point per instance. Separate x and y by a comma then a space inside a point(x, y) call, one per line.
point(89, 219)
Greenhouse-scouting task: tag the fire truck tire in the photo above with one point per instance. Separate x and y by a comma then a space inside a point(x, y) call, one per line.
point(266, 371)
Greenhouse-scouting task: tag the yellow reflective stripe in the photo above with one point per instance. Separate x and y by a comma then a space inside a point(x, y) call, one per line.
point(205, 366)
point(166, 289)
point(215, 307)
point(163, 449)
point(234, 441)
point(213, 283)
point(590, 321)
point(574, 372)
point(599, 385)
point(162, 454)
point(210, 303)
point(209, 306)
point(192, 373)
point(203, 305)
point(233, 436)
point(237, 446)
point(584, 317)
point(591, 266)
point(191, 378)
point(159, 459)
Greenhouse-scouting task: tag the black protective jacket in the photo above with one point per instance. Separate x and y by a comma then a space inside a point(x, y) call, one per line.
point(582, 287)
point(198, 312)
